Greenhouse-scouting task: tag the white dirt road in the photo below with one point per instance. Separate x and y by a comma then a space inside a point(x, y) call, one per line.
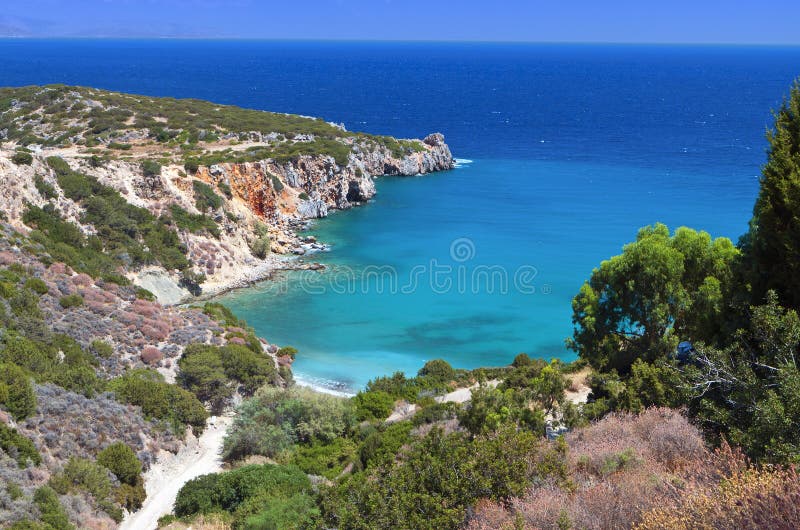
point(171, 471)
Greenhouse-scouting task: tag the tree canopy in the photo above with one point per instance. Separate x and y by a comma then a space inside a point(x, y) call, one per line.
point(660, 290)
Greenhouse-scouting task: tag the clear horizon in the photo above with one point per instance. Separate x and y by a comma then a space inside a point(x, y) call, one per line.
point(519, 21)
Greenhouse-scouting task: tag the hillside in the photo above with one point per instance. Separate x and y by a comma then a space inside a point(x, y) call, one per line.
point(228, 186)
point(111, 204)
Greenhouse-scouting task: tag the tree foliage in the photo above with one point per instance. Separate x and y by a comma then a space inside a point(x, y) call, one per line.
point(772, 245)
point(660, 290)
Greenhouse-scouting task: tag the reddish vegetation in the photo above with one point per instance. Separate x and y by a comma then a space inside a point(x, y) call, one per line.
point(619, 469)
point(151, 355)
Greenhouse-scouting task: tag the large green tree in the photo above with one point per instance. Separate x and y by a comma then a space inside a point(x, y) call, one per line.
point(773, 243)
point(660, 290)
point(750, 391)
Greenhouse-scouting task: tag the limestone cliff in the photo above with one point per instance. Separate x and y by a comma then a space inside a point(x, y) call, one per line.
point(259, 186)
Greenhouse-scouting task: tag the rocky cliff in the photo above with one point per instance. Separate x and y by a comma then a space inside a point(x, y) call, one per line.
point(259, 185)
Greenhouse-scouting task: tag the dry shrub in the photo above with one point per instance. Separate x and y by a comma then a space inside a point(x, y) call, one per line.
point(619, 468)
point(237, 340)
point(151, 355)
point(748, 499)
point(83, 280)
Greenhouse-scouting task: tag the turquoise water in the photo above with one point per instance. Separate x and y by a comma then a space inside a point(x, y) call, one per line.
point(574, 147)
point(473, 265)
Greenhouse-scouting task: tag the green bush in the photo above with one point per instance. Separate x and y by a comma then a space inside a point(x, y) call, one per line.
point(381, 446)
point(194, 223)
point(22, 158)
point(225, 189)
point(374, 405)
point(36, 285)
point(20, 398)
point(436, 481)
point(102, 348)
point(120, 459)
point(287, 351)
point(159, 399)
point(245, 491)
point(19, 447)
point(45, 190)
point(277, 185)
point(204, 197)
point(50, 509)
point(438, 370)
point(191, 166)
point(252, 370)
point(71, 300)
point(275, 419)
point(144, 294)
point(83, 474)
point(202, 373)
point(261, 247)
point(151, 168)
point(325, 459)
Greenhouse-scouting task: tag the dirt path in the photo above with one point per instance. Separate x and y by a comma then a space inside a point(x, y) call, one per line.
point(166, 477)
point(462, 395)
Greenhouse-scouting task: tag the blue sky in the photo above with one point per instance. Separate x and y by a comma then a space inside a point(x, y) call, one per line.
point(667, 21)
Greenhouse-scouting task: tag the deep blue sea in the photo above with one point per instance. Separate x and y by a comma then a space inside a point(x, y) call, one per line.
point(569, 149)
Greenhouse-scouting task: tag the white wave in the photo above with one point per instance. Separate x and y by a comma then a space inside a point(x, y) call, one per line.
point(324, 386)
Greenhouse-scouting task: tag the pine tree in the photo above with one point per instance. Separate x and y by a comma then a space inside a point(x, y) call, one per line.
point(772, 247)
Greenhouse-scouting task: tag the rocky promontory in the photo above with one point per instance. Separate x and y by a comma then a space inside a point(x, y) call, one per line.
point(234, 185)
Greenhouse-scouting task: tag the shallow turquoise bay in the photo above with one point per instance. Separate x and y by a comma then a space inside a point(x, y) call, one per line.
point(428, 269)
point(575, 147)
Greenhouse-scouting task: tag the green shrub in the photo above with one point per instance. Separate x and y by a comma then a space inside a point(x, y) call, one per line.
point(325, 459)
point(223, 315)
point(20, 398)
point(144, 294)
point(19, 447)
point(287, 351)
point(275, 419)
point(374, 405)
point(45, 190)
point(202, 373)
point(204, 197)
point(435, 482)
point(151, 168)
point(102, 348)
point(225, 189)
point(294, 513)
point(381, 446)
point(159, 399)
point(119, 146)
point(191, 166)
point(120, 459)
point(83, 474)
point(22, 158)
point(245, 491)
point(437, 370)
point(36, 285)
point(50, 508)
point(277, 185)
point(71, 300)
point(303, 196)
point(194, 223)
point(261, 247)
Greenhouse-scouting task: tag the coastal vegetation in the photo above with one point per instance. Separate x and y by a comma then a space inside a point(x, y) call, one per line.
point(178, 129)
point(689, 344)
